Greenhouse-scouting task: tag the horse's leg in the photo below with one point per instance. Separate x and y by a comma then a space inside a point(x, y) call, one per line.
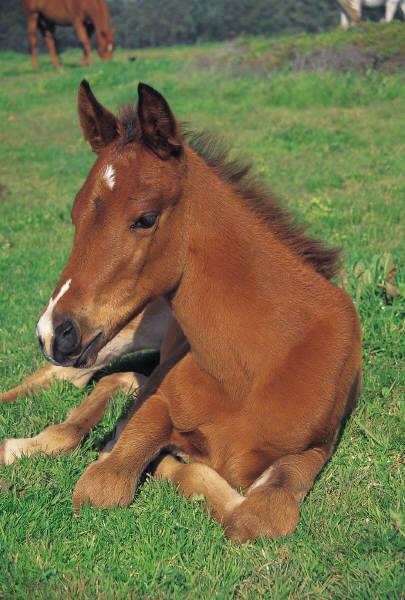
point(403, 7)
point(85, 41)
point(48, 31)
point(344, 21)
point(272, 505)
point(197, 479)
point(43, 379)
point(89, 27)
point(351, 12)
point(355, 11)
point(390, 10)
point(32, 38)
point(66, 436)
point(173, 339)
point(111, 481)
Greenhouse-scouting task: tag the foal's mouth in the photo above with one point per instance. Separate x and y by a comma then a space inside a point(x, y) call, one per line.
point(85, 359)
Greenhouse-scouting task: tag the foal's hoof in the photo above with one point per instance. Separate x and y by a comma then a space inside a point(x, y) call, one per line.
point(270, 513)
point(9, 396)
point(10, 452)
point(103, 485)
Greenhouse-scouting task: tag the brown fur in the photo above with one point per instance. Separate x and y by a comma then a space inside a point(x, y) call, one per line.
point(258, 393)
point(239, 174)
point(84, 15)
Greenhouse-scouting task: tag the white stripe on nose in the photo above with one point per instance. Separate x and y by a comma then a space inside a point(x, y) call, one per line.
point(45, 325)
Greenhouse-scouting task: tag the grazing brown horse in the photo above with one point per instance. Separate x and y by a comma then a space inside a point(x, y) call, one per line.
point(271, 367)
point(85, 16)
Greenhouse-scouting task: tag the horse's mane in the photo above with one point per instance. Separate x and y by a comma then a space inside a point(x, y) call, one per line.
point(239, 174)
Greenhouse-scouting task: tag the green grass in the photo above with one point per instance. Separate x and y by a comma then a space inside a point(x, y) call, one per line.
point(332, 145)
point(382, 40)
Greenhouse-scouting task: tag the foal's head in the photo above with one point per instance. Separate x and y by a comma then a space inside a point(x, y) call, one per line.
point(129, 238)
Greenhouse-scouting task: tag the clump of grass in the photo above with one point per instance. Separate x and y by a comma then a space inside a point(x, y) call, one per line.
point(371, 46)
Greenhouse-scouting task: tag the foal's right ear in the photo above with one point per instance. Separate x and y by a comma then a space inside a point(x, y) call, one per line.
point(100, 127)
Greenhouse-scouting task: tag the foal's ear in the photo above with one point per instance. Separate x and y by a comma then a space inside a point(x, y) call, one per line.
point(100, 127)
point(157, 123)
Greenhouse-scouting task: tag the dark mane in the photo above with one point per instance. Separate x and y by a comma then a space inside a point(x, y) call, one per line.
point(238, 173)
point(128, 124)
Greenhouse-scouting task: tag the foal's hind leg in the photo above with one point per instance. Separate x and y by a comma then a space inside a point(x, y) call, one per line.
point(197, 479)
point(43, 377)
point(271, 507)
point(66, 436)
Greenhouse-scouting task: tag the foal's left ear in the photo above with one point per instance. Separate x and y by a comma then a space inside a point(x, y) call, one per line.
point(158, 125)
point(99, 125)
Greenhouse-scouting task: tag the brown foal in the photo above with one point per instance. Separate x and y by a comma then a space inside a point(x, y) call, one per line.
point(257, 396)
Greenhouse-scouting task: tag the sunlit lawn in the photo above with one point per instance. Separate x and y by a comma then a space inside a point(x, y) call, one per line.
point(333, 147)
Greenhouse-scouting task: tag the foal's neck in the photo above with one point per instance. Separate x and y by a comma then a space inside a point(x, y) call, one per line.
point(238, 277)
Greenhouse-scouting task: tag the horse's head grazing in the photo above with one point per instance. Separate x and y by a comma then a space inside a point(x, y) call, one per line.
point(129, 241)
point(105, 43)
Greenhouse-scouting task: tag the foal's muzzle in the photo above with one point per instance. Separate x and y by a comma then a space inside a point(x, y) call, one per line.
point(67, 347)
point(66, 341)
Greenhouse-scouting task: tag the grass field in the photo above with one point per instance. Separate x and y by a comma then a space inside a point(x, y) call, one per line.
point(332, 145)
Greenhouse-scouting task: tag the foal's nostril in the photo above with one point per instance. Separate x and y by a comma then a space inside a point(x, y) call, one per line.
point(67, 330)
point(66, 339)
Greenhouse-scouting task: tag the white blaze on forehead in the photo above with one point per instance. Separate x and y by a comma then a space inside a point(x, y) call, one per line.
point(109, 176)
point(45, 326)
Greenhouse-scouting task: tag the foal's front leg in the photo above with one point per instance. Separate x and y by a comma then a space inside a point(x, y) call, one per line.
point(112, 480)
point(64, 437)
point(44, 377)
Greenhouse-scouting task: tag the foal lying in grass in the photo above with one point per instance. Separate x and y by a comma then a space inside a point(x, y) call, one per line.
point(257, 394)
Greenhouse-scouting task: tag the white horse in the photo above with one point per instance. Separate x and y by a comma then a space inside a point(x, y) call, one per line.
point(351, 12)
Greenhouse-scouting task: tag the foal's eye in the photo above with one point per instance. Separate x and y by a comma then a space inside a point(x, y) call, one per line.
point(146, 221)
